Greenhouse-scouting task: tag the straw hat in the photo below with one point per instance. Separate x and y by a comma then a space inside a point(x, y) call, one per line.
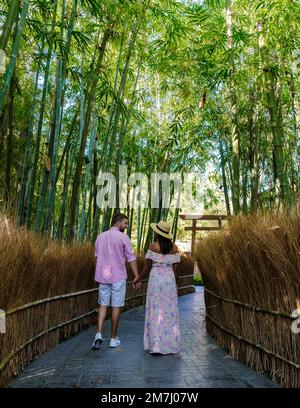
point(162, 228)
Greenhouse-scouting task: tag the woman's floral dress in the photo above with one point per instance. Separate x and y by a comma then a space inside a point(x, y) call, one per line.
point(161, 331)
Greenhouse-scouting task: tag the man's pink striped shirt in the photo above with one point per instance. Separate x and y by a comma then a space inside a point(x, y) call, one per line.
point(112, 249)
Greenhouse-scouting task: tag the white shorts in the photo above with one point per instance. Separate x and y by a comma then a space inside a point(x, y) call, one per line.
point(114, 292)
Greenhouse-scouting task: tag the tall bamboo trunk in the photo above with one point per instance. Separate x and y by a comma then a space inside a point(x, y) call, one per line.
point(227, 150)
point(72, 20)
point(274, 107)
point(89, 217)
point(58, 110)
point(295, 145)
point(122, 135)
point(175, 224)
point(9, 144)
point(144, 227)
point(24, 167)
point(32, 180)
point(3, 129)
point(67, 145)
point(78, 170)
point(235, 137)
point(253, 153)
point(16, 43)
point(122, 87)
point(87, 177)
point(43, 190)
point(112, 138)
point(96, 209)
point(224, 179)
point(245, 186)
point(280, 168)
point(272, 193)
point(112, 108)
point(61, 221)
point(115, 118)
point(12, 14)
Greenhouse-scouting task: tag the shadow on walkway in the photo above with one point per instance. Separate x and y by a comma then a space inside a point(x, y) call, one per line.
point(200, 364)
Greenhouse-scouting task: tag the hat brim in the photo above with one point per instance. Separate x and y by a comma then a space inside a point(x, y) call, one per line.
point(169, 235)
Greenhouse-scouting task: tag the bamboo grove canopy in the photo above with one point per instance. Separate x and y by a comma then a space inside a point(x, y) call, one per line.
point(160, 85)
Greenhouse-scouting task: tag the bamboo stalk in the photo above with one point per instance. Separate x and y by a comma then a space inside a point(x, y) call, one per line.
point(14, 53)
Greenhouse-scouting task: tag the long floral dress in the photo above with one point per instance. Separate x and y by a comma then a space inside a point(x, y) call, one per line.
point(161, 331)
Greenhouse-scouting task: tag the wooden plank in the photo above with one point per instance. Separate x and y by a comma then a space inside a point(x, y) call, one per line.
point(202, 229)
point(203, 217)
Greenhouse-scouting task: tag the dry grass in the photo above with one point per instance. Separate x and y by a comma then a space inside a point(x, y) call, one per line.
point(256, 261)
point(34, 268)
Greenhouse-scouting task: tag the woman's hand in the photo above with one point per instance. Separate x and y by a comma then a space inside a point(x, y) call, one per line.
point(136, 283)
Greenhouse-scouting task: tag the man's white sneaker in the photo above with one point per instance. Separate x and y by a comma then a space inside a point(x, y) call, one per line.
point(114, 342)
point(97, 341)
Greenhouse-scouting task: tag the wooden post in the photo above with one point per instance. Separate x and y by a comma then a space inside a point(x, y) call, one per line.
point(220, 222)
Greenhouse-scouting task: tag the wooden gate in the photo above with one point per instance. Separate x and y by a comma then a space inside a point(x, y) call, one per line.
point(196, 217)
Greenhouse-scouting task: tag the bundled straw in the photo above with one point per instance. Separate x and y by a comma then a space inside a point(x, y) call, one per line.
point(251, 273)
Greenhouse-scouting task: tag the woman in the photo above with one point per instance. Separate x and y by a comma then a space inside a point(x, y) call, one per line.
point(161, 330)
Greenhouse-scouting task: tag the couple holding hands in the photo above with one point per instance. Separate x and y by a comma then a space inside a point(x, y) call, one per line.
point(112, 249)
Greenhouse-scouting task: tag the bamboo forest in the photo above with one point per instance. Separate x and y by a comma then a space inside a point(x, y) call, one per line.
point(203, 87)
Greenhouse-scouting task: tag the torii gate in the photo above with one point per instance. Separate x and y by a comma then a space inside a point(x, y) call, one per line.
point(194, 228)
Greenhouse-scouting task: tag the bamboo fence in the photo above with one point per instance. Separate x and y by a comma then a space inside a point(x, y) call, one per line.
point(38, 326)
point(251, 274)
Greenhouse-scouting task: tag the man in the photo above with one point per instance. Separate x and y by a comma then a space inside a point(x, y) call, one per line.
point(112, 248)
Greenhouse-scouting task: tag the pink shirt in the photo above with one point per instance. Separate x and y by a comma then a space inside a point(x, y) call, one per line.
point(112, 248)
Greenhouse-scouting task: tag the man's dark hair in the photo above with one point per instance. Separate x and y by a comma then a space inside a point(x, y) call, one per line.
point(118, 217)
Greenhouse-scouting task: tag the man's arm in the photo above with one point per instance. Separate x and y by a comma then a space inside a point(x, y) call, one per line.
point(131, 259)
point(95, 258)
point(134, 269)
point(136, 283)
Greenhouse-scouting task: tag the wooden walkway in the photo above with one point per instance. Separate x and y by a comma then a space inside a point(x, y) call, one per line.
point(200, 364)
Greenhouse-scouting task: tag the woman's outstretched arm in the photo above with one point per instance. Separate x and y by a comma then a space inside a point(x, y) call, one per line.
point(146, 269)
point(175, 270)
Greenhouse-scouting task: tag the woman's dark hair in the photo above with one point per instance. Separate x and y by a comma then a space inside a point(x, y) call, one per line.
point(165, 244)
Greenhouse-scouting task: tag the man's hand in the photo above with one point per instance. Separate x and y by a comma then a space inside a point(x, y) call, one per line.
point(136, 283)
